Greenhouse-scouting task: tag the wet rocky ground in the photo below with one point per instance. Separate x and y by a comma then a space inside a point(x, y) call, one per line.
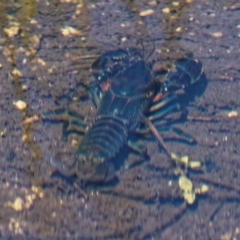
point(46, 50)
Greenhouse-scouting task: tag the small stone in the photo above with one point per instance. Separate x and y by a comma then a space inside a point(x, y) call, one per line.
point(6, 52)
point(204, 188)
point(33, 21)
point(189, 197)
point(16, 73)
point(194, 164)
point(124, 39)
point(3, 132)
point(41, 195)
point(197, 191)
point(166, 10)
point(69, 31)
point(226, 236)
point(152, 3)
point(29, 200)
point(24, 137)
point(15, 226)
point(35, 41)
point(21, 105)
point(41, 61)
point(78, 12)
point(74, 142)
point(146, 13)
point(34, 189)
point(17, 205)
point(185, 184)
point(175, 4)
point(174, 157)
point(50, 70)
point(216, 34)
point(232, 114)
point(179, 29)
point(184, 160)
point(12, 31)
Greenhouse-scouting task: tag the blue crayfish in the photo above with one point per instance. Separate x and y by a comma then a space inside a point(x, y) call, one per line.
point(129, 97)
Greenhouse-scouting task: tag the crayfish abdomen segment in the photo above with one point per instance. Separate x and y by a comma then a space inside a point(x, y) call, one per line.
point(105, 137)
point(100, 144)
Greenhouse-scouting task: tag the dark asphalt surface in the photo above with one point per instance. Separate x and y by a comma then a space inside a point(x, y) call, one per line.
point(147, 202)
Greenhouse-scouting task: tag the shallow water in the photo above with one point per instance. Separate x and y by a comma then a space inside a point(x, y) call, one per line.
point(46, 50)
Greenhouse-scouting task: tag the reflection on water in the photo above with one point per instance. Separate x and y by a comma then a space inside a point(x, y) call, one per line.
point(171, 25)
point(15, 19)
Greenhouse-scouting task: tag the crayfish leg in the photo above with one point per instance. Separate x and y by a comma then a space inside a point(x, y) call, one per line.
point(140, 149)
point(157, 135)
point(63, 115)
point(72, 121)
point(73, 127)
point(160, 113)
